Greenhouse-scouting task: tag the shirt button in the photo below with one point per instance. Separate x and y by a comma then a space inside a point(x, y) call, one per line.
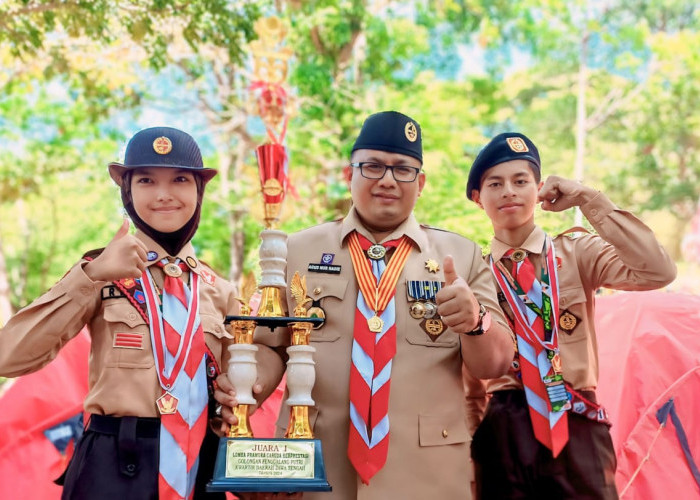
point(594, 212)
point(85, 290)
point(217, 328)
point(317, 290)
point(444, 433)
point(130, 468)
point(132, 316)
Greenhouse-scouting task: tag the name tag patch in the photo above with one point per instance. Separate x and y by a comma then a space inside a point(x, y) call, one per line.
point(324, 268)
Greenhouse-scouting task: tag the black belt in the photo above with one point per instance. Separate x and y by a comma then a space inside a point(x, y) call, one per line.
point(146, 427)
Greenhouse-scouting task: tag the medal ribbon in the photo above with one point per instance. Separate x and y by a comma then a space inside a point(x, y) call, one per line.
point(378, 295)
point(168, 371)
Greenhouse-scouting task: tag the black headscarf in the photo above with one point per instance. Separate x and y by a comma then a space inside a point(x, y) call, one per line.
point(171, 242)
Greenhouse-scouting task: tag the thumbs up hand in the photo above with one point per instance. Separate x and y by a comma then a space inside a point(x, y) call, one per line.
point(123, 257)
point(456, 302)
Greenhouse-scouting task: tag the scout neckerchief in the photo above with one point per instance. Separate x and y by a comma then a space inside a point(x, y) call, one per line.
point(373, 348)
point(535, 305)
point(179, 351)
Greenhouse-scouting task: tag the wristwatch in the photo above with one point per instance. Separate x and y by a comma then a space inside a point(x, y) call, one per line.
point(484, 322)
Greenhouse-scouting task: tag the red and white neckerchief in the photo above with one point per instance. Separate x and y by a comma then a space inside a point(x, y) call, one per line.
point(538, 348)
point(373, 349)
point(180, 358)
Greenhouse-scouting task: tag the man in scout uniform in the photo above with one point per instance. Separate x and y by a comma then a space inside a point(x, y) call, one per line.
point(389, 399)
point(543, 434)
point(155, 315)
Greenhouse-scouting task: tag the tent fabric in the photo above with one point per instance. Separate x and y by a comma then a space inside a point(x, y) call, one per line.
point(649, 352)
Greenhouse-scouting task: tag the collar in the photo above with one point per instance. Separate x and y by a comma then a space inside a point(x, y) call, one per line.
point(409, 227)
point(533, 244)
point(186, 255)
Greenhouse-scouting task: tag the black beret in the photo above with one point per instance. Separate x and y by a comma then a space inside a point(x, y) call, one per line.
point(502, 148)
point(393, 132)
point(161, 147)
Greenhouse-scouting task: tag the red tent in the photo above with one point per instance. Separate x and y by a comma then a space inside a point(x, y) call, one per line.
point(649, 351)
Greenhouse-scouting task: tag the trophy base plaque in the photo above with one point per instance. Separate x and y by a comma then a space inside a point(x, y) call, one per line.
point(269, 465)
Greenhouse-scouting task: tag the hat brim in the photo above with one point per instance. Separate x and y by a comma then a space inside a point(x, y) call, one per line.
point(117, 171)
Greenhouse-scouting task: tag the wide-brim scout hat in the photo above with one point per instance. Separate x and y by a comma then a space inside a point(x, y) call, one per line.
point(161, 147)
point(393, 132)
point(502, 148)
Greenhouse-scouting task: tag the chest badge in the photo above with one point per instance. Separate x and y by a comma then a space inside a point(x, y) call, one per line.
point(432, 265)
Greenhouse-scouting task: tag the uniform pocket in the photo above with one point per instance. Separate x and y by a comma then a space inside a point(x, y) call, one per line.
point(130, 337)
point(442, 429)
point(326, 292)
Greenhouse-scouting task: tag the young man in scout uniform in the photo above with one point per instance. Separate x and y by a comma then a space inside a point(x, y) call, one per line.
point(543, 434)
point(389, 399)
point(155, 315)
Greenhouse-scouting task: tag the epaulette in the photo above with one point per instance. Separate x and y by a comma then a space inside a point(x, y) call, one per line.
point(573, 232)
point(91, 254)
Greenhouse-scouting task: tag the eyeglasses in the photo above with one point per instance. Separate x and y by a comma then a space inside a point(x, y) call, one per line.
point(372, 170)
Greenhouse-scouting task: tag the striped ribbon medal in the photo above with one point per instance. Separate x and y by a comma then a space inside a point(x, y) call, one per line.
point(179, 350)
point(535, 305)
point(373, 348)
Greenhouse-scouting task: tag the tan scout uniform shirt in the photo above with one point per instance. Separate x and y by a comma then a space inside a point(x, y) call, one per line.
point(122, 381)
point(428, 448)
point(625, 255)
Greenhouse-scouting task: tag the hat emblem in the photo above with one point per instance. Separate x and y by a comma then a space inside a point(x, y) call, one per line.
point(411, 131)
point(162, 145)
point(517, 144)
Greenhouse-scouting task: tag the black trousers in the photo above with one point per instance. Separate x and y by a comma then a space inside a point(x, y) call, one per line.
point(511, 464)
point(117, 459)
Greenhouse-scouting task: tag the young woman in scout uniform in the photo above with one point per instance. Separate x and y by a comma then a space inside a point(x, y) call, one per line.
point(406, 306)
point(155, 315)
point(543, 434)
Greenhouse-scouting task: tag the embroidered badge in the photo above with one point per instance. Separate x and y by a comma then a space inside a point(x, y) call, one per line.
point(327, 258)
point(128, 282)
point(162, 145)
point(432, 265)
point(128, 340)
point(568, 322)
point(208, 277)
point(433, 327)
point(139, 297)
point(411, 131)
point(151, 256)
point(517, 144)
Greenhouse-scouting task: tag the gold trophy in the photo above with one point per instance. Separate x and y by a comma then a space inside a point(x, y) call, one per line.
point(245, 463)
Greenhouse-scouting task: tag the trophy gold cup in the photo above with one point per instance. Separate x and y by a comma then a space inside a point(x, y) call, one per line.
point(245, 463)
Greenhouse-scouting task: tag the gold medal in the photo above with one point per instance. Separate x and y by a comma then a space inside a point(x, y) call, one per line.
point(167, 404)
point(434, 327)
point(376, 252)
point(518, 255)
point(173, 270)
point(417, 310)
point(375, 324)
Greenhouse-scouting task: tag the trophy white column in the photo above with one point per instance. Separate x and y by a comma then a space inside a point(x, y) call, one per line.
point(273, 262)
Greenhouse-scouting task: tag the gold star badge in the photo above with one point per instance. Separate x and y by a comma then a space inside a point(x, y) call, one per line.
point(432, 265)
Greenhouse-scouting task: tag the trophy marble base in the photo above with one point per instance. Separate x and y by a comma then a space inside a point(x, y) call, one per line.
point(269, 465)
